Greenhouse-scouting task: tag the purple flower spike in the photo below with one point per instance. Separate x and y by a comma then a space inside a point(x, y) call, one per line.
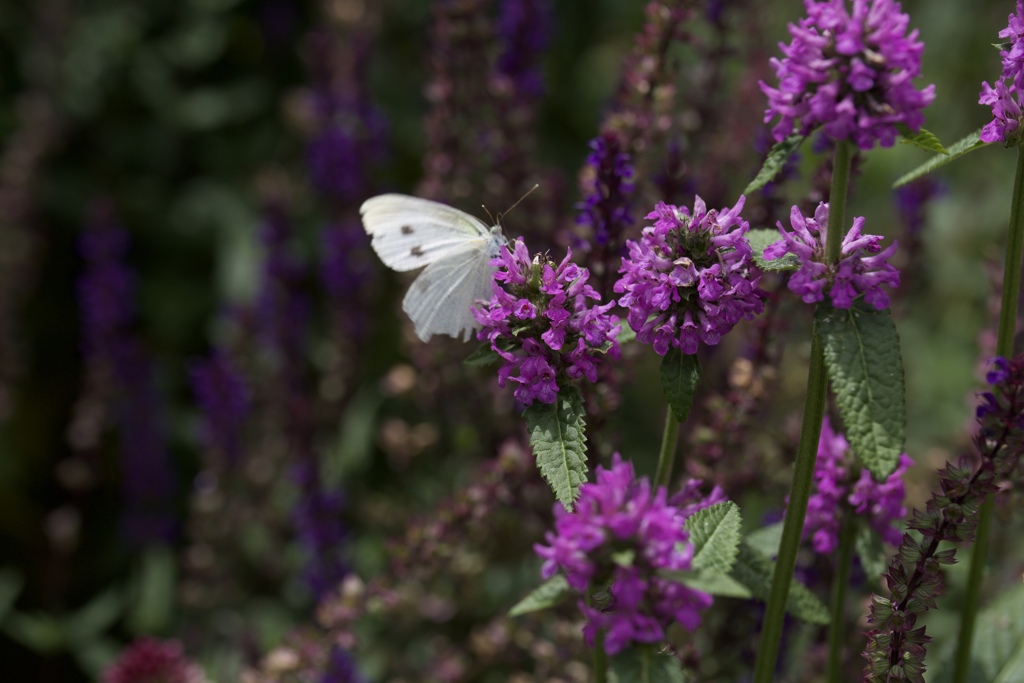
point(862, 268)
point(849, 73)
point(617, 516)
point(835, 486)
point(690, 278)
point(540, 322)
point(1004, 100)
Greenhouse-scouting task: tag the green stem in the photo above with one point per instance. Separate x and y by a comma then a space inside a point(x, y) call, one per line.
point(600, 659)
point(836, 629)
point(807, 451)
point(669, 440)
point(792, 529)
point(837, 202)
point(1004, 348)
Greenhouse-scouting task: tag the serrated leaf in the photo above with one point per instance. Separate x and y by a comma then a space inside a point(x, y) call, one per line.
point(760, 240)
point(997, 652)
point(766, 540)
point(955, 151)
point(559, 442)
point(777, 157)
point(642, 664)
point(710, 582)
point(869, 548)
point(483, 356)
point(865, 370)
point(680, 375)
point(754, 570)
point(922, 139)
point(715, 535)
point(153, 591)
point(546, 595)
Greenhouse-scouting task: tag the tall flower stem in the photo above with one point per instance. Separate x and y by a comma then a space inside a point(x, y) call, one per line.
point(807, 451)
point(1004, 348)
point(836, 629)
point(600, 659)
point(669, 440)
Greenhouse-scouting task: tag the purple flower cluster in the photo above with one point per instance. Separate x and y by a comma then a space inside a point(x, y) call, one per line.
point(540, 322)
point(1001, 410)
point(148, 660)
point(609, 190)
point(862, 268)
point(318, 521)
point(223, 397)
point(619, 515)
point(106, 288)
point(835, 488)
point(1004, 100)
point(283, 307)
point(850, 73)
point(690, 278)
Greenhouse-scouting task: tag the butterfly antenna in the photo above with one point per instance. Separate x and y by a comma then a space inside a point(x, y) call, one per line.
point(493, 222)
point(525, 195)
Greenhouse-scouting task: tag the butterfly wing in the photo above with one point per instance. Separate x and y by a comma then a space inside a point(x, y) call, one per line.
point(408, 232)
point(439, 300)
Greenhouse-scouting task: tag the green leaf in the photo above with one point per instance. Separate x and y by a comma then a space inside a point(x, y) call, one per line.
point(871, 552)
point(923, 139)
point(96, 655)
point(766, 540)
point(559, 441)
point(483, 356)
point(865, 370)
point(95, 617)
point(641, 664)
point(680, 375)
point(710, 582)
point(759, 240)
point(715, 534)
point(997, 652)
point(955, 151)
point(10, 587)
point(754, 570)
point(153, 591)
point(39, 632)
point(546, 595)
point(626, 335)
point(353, 445)
point(777, 158)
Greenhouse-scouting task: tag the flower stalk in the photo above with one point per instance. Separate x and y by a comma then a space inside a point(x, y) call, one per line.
point(1004, 348)
point(669, 442)
point(807, 451)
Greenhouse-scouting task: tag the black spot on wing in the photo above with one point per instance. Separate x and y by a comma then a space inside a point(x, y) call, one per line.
point(416, 251)
point(407, 230)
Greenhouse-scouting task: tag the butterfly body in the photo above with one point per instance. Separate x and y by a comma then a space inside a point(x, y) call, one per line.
point(408, 233)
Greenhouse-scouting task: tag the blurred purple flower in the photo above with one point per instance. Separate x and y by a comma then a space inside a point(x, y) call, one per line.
point(223, 398)
point(538, 320)
point(340, 668)
point(148, 660)
point(524, 30)
point(317, 519)
point(913, 198)
point(856, 273)
point(609, 181)
point(690, 278)
point(850, 73)
point(283, 307)
point(616, 516)
point(106, 288)
point(834, 488)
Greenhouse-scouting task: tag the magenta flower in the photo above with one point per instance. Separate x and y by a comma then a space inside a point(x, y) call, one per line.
point(849, 74)
point(862, 268)
point(881, 504)
point(619, 515)
point(148, 660)
point(690, 278)
point(540, 321)
point(1004, 100)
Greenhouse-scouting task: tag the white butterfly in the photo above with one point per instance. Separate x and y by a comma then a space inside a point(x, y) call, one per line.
point(409, 233)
